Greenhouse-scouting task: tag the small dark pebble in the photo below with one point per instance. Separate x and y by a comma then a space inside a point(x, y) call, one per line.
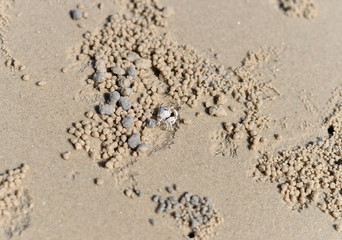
point(99, 77)
point(114, 98)
point(125, 103)
point(106, 109)
point(151, 123)
point(139, 193)
point(152, 221)
point(76, 14)
point(155, 198)
point(169, 189)
point(134, 140)
point(132, 72)
point(127, 122)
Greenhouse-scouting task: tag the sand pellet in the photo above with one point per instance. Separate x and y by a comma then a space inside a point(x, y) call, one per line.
point(66, 155)
point(26, 77)
point(100, 6)
point(22, 67)
point(128, 193)
point(277, 136)
point(99, 181)
point(9, 63)
point(109, 164)
point(78, 146)
point(41, 83)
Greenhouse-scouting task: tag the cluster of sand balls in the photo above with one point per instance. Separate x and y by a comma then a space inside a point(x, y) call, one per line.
point(251, 89)
point(15, 204)
point(155, 61)
point(117, 133)
point(10, 183)
point(16, 65)
point(310, 174)
point(251, 126)
point(149, 12)
point(299, 8)
point(137, 69)
point(190, 210)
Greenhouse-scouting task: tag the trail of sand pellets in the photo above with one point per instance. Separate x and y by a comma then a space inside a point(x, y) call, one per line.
point(5, 7)
point(311, 174)
point(250, 86)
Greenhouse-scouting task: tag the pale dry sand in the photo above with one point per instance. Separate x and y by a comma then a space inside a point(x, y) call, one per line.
point(67, 203)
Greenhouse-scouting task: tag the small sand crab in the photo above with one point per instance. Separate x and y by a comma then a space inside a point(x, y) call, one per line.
point(168, 115)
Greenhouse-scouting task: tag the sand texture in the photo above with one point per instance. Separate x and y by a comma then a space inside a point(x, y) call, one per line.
point(181, 119)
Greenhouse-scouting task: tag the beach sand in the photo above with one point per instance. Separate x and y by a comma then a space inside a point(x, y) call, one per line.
point(293, 68)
